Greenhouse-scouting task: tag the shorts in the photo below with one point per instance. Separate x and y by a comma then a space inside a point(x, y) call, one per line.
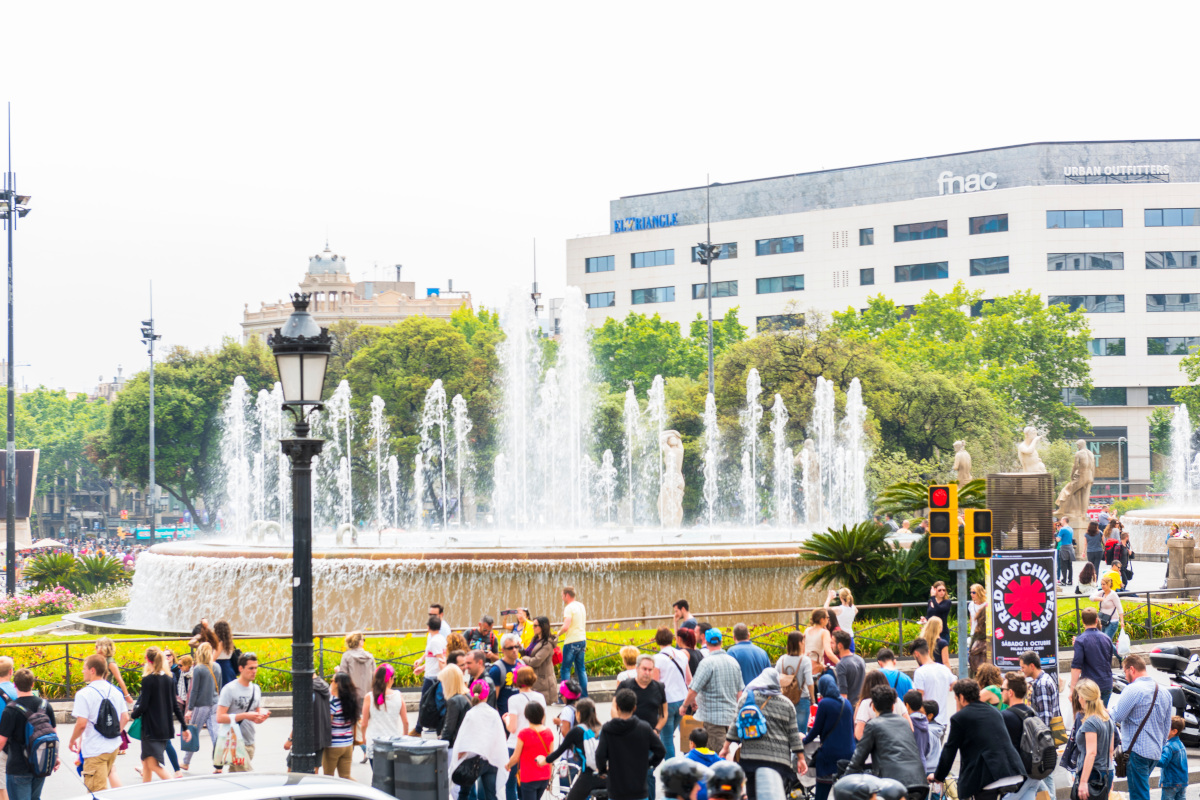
point(96, 769)
point(156, 749)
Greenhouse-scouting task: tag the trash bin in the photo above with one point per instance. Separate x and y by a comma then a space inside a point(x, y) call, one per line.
point(420, 768)
point(382, 777)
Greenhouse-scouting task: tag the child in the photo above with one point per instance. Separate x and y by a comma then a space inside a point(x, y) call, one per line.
point(920, 726)
point(533, 741)
point(702, 755)
point(1174, 764)
point(569, 693)
point(936, 731)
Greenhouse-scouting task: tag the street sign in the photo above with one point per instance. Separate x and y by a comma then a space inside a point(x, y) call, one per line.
point(124, 514)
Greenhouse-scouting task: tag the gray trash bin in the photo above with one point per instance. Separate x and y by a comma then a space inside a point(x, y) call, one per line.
point(421, 769)
point(382, 777)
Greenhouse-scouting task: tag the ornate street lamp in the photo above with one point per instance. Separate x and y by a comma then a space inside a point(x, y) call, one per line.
point(301, 350)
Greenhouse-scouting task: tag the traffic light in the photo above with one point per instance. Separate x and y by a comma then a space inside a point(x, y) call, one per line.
point(979, 533)
point(943, 522)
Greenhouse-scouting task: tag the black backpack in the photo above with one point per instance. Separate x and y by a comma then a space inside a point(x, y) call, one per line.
point(1039, 755)
point(108, 721)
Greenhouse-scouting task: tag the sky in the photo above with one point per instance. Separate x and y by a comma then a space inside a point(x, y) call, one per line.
point(213, 148)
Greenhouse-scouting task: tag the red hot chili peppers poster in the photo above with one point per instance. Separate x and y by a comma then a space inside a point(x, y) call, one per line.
point(1024, 611)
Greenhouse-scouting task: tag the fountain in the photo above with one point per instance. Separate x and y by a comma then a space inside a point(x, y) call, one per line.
point(565, 509)
point(1149, 527)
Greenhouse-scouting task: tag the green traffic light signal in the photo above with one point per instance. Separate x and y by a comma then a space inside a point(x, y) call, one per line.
point(983, 547)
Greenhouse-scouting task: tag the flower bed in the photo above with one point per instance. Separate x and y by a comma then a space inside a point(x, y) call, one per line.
point(52, 601)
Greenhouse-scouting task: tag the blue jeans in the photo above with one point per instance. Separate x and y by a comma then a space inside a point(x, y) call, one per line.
point(573, 657)
point(510, 788)
point(1111, 629)
point(1138, 776)
point(803, 708)
point(1174, 792)
point(485, 787)
point(667, 734)
point(24, 787)
point(649, 784)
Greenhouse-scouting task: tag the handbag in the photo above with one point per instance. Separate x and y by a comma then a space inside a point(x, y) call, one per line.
point(191, 745)
point(229, 750)
point(135, 729)
point(467, 771)
point(790, 686)
point(1121, 757)
point(556, 657)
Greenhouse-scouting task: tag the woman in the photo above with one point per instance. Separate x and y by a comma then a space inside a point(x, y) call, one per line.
point(456, 641)
point(533, 741)
point(482, 734)
point(780, 746)
point(980, 642)
point(1112, 615)
point(581, 739)
point(360, 666)
point(1094, 538)
point(384, 714)
point(522, 627)
point(540, 655)
point(344, 708)
point(866, 711)
point(1093, 779)
point(818, 643)
point(834, 726)
point(155, 707)
point(225, 653)
point(844, 613)
point(978, 601)
point(106, 648)
point(183, 684)
point(990, 680)
point(457, 702)
point(1125, 554)
point(1087, 579)
point(939, 646)
point(629, 656)
point(798, 666)
point(686, 640)
point(202, 699)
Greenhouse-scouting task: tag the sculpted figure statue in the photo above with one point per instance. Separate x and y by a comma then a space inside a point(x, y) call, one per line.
point(1028, 454)
point(962, 463)
point(1073, 499)
point(670, 493)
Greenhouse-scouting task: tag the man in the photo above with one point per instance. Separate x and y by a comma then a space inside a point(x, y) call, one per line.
point(1143, 700)
point(889, 742)
point(436, 610)
point(1042, 697)
point(683, 616)
point(1104, 518)
point(98, 751)
point(938, 605)
point(932, 679)
point(477, 669)
point(851, 670)
point(988, 758)
point(651, 696)
point(20, 781)
point(629, 750)
point(430, 666)
point(716, 684)
point(1013, 691)
point(1093, 655)
point(483, 637)
point(1064, 540)
point(750, 657)
point(900, 682)
point(891, 523)
point(8, 693)
point(240, 701)
point(671, 667)
point(503, 671)
point(572, 637)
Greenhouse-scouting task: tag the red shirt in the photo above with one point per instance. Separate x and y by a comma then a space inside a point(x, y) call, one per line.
point(534, 744)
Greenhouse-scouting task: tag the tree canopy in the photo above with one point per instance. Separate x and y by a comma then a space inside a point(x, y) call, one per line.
point(59, 427)
point(637, 348)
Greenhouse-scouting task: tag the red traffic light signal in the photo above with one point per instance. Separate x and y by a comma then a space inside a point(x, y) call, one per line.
point(939, 497)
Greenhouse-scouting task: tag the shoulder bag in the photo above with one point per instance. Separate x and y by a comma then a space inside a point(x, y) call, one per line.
point(1121, 756)
point(789, 685)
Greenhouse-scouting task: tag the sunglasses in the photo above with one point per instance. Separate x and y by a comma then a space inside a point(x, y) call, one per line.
point(511, 647)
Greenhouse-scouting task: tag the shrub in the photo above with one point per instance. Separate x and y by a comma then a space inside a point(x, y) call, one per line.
point(48, 570)
point(52, 601)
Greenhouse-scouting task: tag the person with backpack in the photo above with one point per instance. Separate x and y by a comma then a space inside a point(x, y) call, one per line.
point(765, 727)
point(28, 737)
point(834, 726)
point(582, 740)
point(1028, 733)
point(796, 677)
point(100, 714)
point(977, 734)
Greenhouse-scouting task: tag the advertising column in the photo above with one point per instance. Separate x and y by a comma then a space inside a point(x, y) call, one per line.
point(1024, 611)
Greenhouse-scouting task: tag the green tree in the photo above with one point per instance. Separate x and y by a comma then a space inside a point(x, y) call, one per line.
point(59, 427)
point(849, 556)
point(190, 389)
point(349, 336)
point(1190, 395)
point(637, 348)
point(727, 331)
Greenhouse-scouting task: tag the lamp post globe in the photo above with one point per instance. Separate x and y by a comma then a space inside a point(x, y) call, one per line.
point(301, 349)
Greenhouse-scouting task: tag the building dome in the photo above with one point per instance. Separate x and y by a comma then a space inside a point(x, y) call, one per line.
point(327, 263)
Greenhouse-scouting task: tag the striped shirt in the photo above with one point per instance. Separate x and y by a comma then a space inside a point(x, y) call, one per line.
point(342, 729)
point(1132, 708)
point(717, 684)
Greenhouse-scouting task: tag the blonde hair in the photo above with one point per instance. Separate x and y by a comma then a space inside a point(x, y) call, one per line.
point(1087, 699)
point(204, 654)
point(845, 596)
point(1105, 579)
point(930, 633)
point(185, 662)
point(354, 640)
point(629, 655)
point(105, 647)
point(975, 587)
point(451, 678)
point(156, 664)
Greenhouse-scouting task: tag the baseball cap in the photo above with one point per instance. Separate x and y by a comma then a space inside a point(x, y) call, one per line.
point(713, 636)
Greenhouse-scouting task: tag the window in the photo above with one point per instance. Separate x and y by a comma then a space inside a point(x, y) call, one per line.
point(1172, 217)
point(997, 265)
point(1107, 347)
point(978, 307)
point(995, 223)
point(866, 236)
point(600, 264)
point(782, 244)
point(1094, 303)
point(1173, 302)
point(787, 283)
point(728, 250)
point(1092, 218)
point(653, 258)
point(1100, 396)
point(922, 272)
point(602, 299)
point(866, 277)
point(664, 294)
point(1173, 259)
point(720, 289)
point(1161, 395)
point(1069, 262)
point(920, 230)
point(779, 322)
point(1172, 345)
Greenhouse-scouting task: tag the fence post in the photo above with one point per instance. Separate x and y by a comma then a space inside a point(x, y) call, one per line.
point(1149, 617)
point(67, 662)
point(797, 619)
point(899, 630)
point(321, 655)
point(1078, 622)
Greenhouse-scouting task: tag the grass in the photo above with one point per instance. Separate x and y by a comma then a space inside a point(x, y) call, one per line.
point(25, 624)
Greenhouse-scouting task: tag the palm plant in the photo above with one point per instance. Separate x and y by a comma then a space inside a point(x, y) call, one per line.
point(849, 556)
point(905, 575)
point(96, 572)
point(49, 570)
point(913, 498)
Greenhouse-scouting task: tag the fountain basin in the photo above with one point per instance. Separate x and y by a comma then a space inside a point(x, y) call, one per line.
point(1149, 527)
point(381, 588)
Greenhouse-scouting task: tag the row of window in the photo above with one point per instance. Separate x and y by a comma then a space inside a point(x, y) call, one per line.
point(1117, 396)
point(1155, 346)
point(1115, 303)
point(666, 294)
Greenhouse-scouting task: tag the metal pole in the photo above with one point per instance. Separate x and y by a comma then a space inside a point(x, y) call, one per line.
point(153, 483)
point(962, 567)
point(708, 263)
point(10, 464)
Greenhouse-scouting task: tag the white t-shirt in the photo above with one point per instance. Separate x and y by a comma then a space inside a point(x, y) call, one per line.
point(934, 681)
point(516, 705)
point(626, 674)
point(672, 677)
point(87, 705)
point(972, 610)
point(445, 631)
point(845, 617)
point(577, 631)
point(866, 711)
point(435, 648)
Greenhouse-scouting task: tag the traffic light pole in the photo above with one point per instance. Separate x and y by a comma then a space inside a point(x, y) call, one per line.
point(961, 568)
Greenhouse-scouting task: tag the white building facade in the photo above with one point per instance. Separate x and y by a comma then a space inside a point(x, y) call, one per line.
point(1111, 227)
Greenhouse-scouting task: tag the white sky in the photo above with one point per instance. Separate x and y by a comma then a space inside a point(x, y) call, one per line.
point(211, 147)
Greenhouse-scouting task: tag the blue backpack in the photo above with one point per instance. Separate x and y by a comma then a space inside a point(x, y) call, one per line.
point(751, 724)
point(41, 740)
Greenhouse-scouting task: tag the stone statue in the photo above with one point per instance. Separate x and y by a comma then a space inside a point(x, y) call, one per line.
point(670, 494)
point(810, 478)
point(1073, 499)
point(1027, 452)
point(962, 463)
